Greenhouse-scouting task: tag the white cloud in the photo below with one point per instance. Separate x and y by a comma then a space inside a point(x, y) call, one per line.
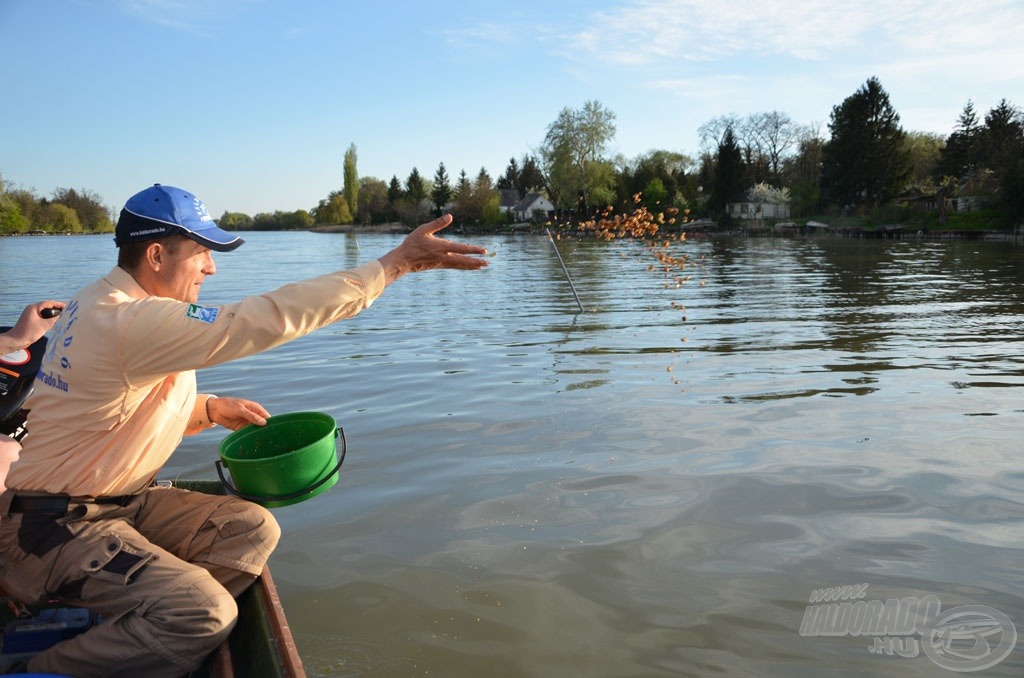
point(804, 56)
point(647, 31)
point(640, 32)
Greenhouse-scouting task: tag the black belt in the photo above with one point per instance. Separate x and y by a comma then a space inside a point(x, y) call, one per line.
point(57, 504)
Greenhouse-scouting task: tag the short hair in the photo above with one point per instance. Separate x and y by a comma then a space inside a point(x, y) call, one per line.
point(131, 254)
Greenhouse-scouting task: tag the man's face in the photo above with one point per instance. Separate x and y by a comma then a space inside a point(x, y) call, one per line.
point(182, 271)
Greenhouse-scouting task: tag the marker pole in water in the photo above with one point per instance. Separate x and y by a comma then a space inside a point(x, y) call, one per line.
point(565, 270)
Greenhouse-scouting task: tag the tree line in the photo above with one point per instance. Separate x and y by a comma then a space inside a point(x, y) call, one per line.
point(66, 211)
point(864, 163)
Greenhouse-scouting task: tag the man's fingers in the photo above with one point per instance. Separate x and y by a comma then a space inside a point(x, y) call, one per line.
point(257, 419)
point(465, 248)
point(436, 225)
point(463, 262)
point(254, 412)
point(260, 413)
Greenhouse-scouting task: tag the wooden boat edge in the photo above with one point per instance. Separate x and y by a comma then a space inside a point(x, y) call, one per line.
point(286, 648)
point(260, 609)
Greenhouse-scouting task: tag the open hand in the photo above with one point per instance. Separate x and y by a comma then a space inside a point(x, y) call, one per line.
point(423, 251)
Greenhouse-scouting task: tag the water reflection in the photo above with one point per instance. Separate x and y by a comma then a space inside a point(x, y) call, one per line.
point(652, 487)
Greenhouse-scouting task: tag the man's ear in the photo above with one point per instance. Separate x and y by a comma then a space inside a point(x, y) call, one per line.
point(155, 255)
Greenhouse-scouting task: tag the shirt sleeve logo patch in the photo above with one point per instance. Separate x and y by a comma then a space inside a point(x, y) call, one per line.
point(206, 314)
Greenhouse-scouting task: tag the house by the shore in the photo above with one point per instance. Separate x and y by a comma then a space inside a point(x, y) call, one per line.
point(533, 207)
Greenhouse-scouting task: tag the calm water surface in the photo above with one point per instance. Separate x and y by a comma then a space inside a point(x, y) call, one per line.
point(651, 488)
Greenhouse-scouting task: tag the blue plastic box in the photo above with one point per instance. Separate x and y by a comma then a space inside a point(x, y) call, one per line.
point(46, 629)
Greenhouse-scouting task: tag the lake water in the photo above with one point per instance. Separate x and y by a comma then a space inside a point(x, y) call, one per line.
point(653, 487)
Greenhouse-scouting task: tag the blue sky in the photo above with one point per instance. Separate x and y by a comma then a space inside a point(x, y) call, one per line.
point(251, 103)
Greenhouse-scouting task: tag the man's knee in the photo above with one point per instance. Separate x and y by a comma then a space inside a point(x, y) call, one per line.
point(265, 526)
point(192, 620)
point(246, 531)
point(237, 542)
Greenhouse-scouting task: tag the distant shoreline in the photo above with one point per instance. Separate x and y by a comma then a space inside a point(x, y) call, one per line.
point(334, 228)
point(46, 233)
point(393, 227)
point(892, 231)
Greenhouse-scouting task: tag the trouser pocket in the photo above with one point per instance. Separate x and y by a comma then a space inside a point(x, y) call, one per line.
point(103, 568)
point(117, 561)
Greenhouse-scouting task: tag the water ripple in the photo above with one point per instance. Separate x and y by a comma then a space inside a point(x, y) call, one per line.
point(652, 487)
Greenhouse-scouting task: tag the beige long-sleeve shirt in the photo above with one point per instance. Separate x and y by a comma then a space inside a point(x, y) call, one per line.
point(117, 388)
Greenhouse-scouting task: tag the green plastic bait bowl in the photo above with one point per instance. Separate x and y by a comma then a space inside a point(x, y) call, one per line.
point(294, 457)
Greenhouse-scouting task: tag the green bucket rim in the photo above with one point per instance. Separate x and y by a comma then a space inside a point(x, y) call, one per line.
point(275, 421)
point(326, 478)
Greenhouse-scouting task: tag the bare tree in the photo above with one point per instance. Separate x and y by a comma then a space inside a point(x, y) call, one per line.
point(712, 132)
point(777, 134)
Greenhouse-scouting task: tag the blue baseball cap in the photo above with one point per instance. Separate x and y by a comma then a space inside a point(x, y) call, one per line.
point(160, 211)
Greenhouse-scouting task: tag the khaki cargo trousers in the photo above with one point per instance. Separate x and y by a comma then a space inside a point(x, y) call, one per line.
point(163, 571)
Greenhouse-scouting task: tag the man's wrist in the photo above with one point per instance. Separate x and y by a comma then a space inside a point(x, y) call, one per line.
point(392, 265)
point(208, 417)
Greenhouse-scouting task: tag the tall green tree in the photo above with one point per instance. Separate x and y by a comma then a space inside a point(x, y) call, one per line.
point(395, 190)
point(415, 187)
point(530, 178)
point(396, 194)
point(463, 208)
point(865, 161)
point(572, 155)
point(441, 193)
point(477, 201)
point(728, 182)
point(373, 201)
point(1002, 151)
point(415, 203)
point(510, 178)
point(486, 200)
point(959, 156)
point(1002, 138)
point(351, 185)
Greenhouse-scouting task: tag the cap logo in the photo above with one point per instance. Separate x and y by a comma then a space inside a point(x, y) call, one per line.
point(200, 209)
